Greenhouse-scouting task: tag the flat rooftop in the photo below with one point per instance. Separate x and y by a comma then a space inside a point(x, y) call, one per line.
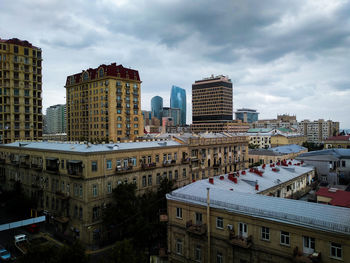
point(295, 212)
point(246, 183)
point(90, 148)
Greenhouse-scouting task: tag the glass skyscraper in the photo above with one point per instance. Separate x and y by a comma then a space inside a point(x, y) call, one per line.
point(178, 100)
point(157, 107)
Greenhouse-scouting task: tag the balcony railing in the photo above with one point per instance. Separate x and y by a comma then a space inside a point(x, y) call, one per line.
point(148, 166)
point(196, 229)
point(240, 241)
point(124, 169)
point(185, 160)
point(169, 163)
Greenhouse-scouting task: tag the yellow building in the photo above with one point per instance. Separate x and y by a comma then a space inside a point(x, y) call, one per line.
point(20, 91)
point(74, 181)
point(243, 227)
point(285, 139)
point(104, 104)
point(340, 141)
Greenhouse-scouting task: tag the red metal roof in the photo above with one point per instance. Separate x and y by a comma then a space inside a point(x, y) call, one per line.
point(339, 198)
point(339, 138)
point(109, 70)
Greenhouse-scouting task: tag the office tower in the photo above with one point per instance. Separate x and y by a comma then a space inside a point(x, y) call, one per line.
point(103, 104)
point(178, 100)
point(157, 107)
point(212, 106)
point(56, 119)
point(247, 115)
point(20, 91)
point(173, 113)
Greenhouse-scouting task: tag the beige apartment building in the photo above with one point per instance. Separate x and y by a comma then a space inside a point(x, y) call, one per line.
point(319, 130)
point(73, 182)
point(104, 104)
point(245, 227)
point(20, 91)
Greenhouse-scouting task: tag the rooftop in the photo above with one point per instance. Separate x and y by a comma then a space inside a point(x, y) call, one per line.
point(339, 197)
point(339, 138)
point(326, 154)
point(279, 150)
point(90, 148)
point(295, 212)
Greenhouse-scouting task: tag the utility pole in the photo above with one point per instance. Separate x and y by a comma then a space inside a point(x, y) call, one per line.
point(208, 223)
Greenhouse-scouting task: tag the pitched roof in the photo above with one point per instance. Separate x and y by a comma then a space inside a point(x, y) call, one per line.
point(339, 138)
point(339, 197)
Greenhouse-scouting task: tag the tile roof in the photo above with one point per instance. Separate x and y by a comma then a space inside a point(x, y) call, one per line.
point(339, 138)
point(339, 197)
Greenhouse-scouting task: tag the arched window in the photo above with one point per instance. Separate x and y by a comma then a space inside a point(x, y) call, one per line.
point(85, 76)
point(119, 118)
point(101, 73)
point(136, 119)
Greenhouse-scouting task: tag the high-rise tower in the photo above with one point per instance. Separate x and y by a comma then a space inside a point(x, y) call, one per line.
point(178, 100)
point(157, 106)
point(20, 91)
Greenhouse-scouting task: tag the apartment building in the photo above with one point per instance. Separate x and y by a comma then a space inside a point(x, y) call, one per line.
point(282, 121)
point(340, 141)
point(20, 91)
point(275, 154)
point(103, 104)
point(74, 181)
point(56, 119)
point(279, 139)
point(212, 224)
point(319, 130)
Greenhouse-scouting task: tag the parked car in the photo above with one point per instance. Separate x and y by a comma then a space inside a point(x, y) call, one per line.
point(4, 254)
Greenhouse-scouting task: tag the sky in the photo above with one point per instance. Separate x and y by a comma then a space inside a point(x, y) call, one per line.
point(283, 57)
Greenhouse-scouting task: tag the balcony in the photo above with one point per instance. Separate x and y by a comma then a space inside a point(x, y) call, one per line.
point(301, 257)
point(240, 241)
point(37, 167)
point(198, 229)
point(148, 166)
point(52, 165)
point(125, 169)
point(2, 160)
point(62, 195)
point(75, 168)
point(169, 163)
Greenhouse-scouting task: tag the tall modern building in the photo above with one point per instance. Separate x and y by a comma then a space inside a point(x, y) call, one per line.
point(157, 106)
point(212, 108)
point(103, 104)
point(173, 113)
point(56, 119)
point(247, 115)
point(20, 91)
point(178, 100)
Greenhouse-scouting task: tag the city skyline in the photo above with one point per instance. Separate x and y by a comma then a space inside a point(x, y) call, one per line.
point(300, 75)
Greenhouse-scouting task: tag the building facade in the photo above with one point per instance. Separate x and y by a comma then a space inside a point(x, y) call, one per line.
point(56, 119)
point(246, 227)
point(247, 115)
point(279, 139)
point(73, 182)
point(174, 114)
point(157, 107)
point(282, 121)
point(178, 100)
point(319, 130)
point(103, 104)
point(211, 104)
point(20, 91)
point(340, 141)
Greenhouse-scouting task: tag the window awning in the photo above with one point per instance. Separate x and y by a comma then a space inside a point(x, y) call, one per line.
point(74, 161)
point(52, 158)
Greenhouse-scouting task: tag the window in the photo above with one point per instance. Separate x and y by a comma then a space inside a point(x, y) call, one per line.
point(109, 187)
point(265, 233)
point(184, 172)
point(219, 258)
point(157, 158)
point(178, 247)
point(93, 166)
point(176, 175)
point(178, 212)
point(144, 184)
point(198, 253)
point(343, 163)
point(94, 190)
point(80, 212)
point(62, 164)
point(150, 179)
point(81, 191)
point(198, 218)
point(243, 229)
point(336, 250)
point(285, 238)
point(109, 164)
point(309, 245)
point(219, 222)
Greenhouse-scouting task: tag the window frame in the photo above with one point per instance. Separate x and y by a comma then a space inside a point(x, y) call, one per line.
point(179, 212)
point(265, 233)
point(219, 222)
point(338, 248)
point(286, 237)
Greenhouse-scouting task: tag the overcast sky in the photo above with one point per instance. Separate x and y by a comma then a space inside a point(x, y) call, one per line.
point(282, 56)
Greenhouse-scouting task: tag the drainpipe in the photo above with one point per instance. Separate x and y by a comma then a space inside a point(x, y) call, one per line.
point(208, 223)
